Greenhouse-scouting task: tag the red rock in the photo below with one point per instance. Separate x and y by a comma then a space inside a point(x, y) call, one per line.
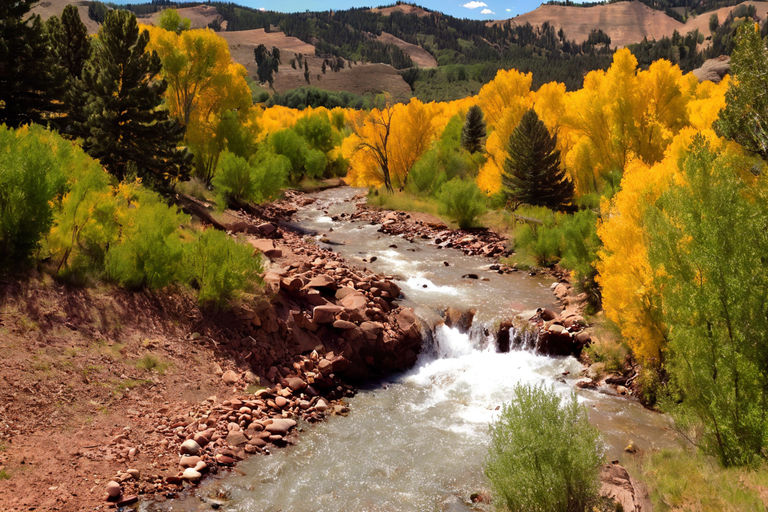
point(127, 500)
point(236, 438)
point(325, 314)
point(295, 383)
point(343, 324)
point(266, 247)
point(281, 401)
point(189, 461)
point(230, 377)
point(280, 426)
point(322, 281)
point(224, 459)
point(354, 302)
point(371, 330)
point(113, 489)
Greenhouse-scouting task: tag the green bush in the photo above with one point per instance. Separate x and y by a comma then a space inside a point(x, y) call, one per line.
point(149, 250)
point(544, 455)
point(220, 267)
point(462, 201)
point(292, 146)
point(315, 163)
point(316, 129)
point(238, 181)
point(33, 167)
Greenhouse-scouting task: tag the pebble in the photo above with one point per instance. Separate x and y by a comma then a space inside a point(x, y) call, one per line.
point(113, 489)
point(230, 377)
point(191, 475)
point(281, 401)
point(190, 447)
point(134, 473)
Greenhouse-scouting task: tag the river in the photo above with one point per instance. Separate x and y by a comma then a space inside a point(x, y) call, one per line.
point(418, 440)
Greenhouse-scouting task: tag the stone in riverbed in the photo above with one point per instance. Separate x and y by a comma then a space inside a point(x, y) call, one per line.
point(325, 314)
point(113, 489)
point(321, 405)
point(189, 461)
point(281, 426)
point(281, 401)
point(295, 383)
point(191, 475)
point(236, 438)
point(190, 447)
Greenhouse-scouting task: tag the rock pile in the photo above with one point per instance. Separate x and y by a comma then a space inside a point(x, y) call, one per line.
point(473, 243)
point(215, 435)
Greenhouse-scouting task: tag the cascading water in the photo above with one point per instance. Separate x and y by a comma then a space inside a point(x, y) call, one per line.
point(419, 439)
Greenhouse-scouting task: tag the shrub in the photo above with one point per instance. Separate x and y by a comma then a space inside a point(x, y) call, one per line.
point(315, 163)
point(462, 201)
point(544, 455)
point(220, 267)
point(290, 144)
point(270, 172)
point(233, 181)
point(317, 131)
point(33, 163)
point(149, 249)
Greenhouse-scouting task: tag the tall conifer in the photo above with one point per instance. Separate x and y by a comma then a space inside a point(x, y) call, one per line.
point(532, 173)
point(127, 129)
point(473, 133)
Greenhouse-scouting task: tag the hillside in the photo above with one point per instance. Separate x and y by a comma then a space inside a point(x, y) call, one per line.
point(625, 22)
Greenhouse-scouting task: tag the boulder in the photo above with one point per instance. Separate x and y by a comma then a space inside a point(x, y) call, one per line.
point(297, 384)
point(343, 325)
point(408, 323)
point(190, 447)
point(325, 314)
point(266, 247)
point(113, 489)
point(280, 426)
point(322, 281)
point(236, 438)
point(459, 319)
point(230, 377)
point(371, 330)
point(617, 485)
point(354, 302)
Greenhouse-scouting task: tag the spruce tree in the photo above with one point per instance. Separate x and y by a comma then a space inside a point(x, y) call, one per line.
point(127, 129)
point(71, 47)
point(473, 134)
point(532, 173)
point(30, 79)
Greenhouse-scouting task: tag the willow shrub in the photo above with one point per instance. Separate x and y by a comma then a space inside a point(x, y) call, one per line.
point(33, 164)
point(149, 249)
point(461, 201)
point(239, 181)
point(708, 245)
point(544, 454)
point(221, 268)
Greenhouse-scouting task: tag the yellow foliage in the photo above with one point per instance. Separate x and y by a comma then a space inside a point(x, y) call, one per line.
point(625, 275)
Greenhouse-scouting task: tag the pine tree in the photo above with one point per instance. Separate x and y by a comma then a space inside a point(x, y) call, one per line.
point(267, 64)
point(71, 47)
point(473, 134)
point(30, 79)
point(532, 172)
point(127, 130)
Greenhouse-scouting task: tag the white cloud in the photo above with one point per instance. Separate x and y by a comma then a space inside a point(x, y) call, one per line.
point(487, 11)
point(508, 10)
point(474, 4)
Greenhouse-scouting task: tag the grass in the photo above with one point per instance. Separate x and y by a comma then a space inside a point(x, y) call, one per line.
point(404, 201)
point(151, 362)
point(4, 475)
point(687, 480)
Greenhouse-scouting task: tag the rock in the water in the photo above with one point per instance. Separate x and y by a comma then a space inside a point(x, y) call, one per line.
point(321, 405)
point(113, 489)
point(191, 475)
point(281, 426)
point(190, 447)
point(459, 319)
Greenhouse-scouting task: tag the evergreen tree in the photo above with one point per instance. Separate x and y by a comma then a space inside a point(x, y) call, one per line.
point(267, 63)
point(71, 47)
point(473, 134)
point(745, 116)
point(30, 79)
point(126, 128)
point(532, 172)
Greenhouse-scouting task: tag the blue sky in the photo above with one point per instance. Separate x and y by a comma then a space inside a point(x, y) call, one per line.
point(476, 9)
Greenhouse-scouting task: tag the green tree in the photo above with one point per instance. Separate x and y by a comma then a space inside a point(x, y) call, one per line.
point(71, 48)
point(473, 134)
point(532, 172)
point(31, 81)
point(708, 240)
point(126, 126)
point(267, 64)
point(544, 454)
point(745, 116)
point(173, 22)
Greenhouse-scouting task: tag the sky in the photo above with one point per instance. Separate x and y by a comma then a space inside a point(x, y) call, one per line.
point(474, 9)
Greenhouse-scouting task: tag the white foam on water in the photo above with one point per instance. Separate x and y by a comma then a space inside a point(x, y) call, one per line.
point(422, 284)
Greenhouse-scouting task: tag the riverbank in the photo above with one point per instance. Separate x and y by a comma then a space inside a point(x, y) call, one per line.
point(103, 385)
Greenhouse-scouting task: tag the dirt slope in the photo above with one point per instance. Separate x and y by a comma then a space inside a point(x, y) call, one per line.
point(418, 55)
point(200, 16)
point(48, 8)
point(625, 22)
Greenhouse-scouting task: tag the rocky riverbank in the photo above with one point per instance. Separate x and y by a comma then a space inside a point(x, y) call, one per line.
point(110, 397)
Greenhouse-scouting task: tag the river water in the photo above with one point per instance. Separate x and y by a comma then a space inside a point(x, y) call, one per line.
point(418, 440)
